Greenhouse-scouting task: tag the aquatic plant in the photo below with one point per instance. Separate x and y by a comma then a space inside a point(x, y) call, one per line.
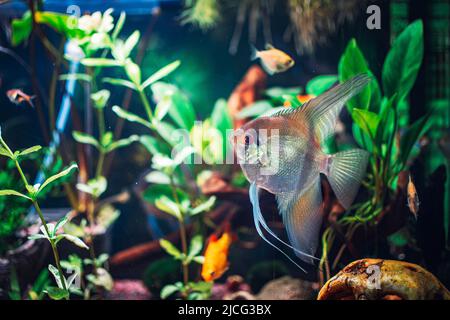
point(49, 231)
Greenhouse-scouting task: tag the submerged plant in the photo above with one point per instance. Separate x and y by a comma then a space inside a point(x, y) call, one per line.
point(49, 231)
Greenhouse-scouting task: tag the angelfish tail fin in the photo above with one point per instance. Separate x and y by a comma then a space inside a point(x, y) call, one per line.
point(345, 171)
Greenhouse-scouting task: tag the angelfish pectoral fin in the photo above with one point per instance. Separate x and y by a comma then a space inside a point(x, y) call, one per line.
point(260, 222)
point(345, 173)
point(302, 217)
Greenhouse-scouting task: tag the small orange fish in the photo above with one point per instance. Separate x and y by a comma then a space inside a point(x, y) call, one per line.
point(216, 255)
point(413, 198)
point(273, 60)
point(17, 96)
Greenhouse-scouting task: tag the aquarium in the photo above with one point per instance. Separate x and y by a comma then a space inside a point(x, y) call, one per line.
point(224, 150)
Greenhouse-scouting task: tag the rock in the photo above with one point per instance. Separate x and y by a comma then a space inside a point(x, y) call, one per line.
point(287, 288)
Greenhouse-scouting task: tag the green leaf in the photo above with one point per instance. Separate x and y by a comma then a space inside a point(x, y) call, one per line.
point(36, 236)
point(85, 138)
point(100, 62)
point(6, 153)
point(100, 98)
point(162, 108)
point(121, 113)
point(21, 29)
point(75, 240)
point(161, 73)
point(255, 110)
point(353, 63)
point(54, 271)
point(195, 247)
point(410, 137)
point(122, 143)
point(130, 43)
point(170, 248)
point(57, 176)
point(153, 145)
point(75, 76)
point(61, 223)
point(386, 125)
point(166, 205)
point(199, 259)
point(13, 193)
point(154, 192)
point(133, 72)
point(181, 111)
point(320, 84)
point(120, 82)
point(168, 290)
point(403, 61)
point(59, 22)
point(182, 155)
point(119, 25)
point(205, 206)
point(157, 177)
point(30, 150)
point(166, 131)
point(56, 293)
point(362, 138)
point(366, 120)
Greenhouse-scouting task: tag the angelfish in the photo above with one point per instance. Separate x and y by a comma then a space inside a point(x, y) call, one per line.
point(273, 60)
point(282, 154)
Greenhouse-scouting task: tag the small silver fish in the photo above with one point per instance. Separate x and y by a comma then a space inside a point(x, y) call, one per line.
point(413, 198)
point(282, 154)
point(273, 60)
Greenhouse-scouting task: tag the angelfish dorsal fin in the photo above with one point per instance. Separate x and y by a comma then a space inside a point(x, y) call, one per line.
point(268, 46)
point(322, 112)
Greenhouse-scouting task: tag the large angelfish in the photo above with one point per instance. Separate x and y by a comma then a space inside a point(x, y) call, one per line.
point(282, 154)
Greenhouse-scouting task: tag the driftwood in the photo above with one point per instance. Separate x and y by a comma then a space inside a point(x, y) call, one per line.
point(378, 279)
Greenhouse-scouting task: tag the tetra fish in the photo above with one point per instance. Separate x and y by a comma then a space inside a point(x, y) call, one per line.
point(17, 96)
point(291, 170)
point(272, 59)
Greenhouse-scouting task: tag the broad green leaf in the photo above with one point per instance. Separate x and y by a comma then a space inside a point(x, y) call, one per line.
point(375, 95)
point(366, 120)
point(163, 203)
point(75, 76)
point(199, 259)
point(156, 191)
point(130, 43)
point(222, 121)
point(13, 193)
point(121, 113)
point(56, 293)
point(30, 150)
point(410, 137)
point(386, 125)
point(168, 290)
point(403, 61)
point(161, 73)
point(120, 82)
point(362, 138)
point(279, 92)
point(100, 62)
point(21, 29)
point(57, 176)
point(85, 138)
point(320, 84)
point(182, 112)
point(59, 22)
point(133, 72)
point(153, 145)
point(195, 247)
point(255, 109)
point(353, 63)
point(170, 248)
point(122, 143)
point(205, 206)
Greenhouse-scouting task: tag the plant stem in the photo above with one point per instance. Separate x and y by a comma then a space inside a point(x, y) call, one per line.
point(44, 223)
point(146, 104)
